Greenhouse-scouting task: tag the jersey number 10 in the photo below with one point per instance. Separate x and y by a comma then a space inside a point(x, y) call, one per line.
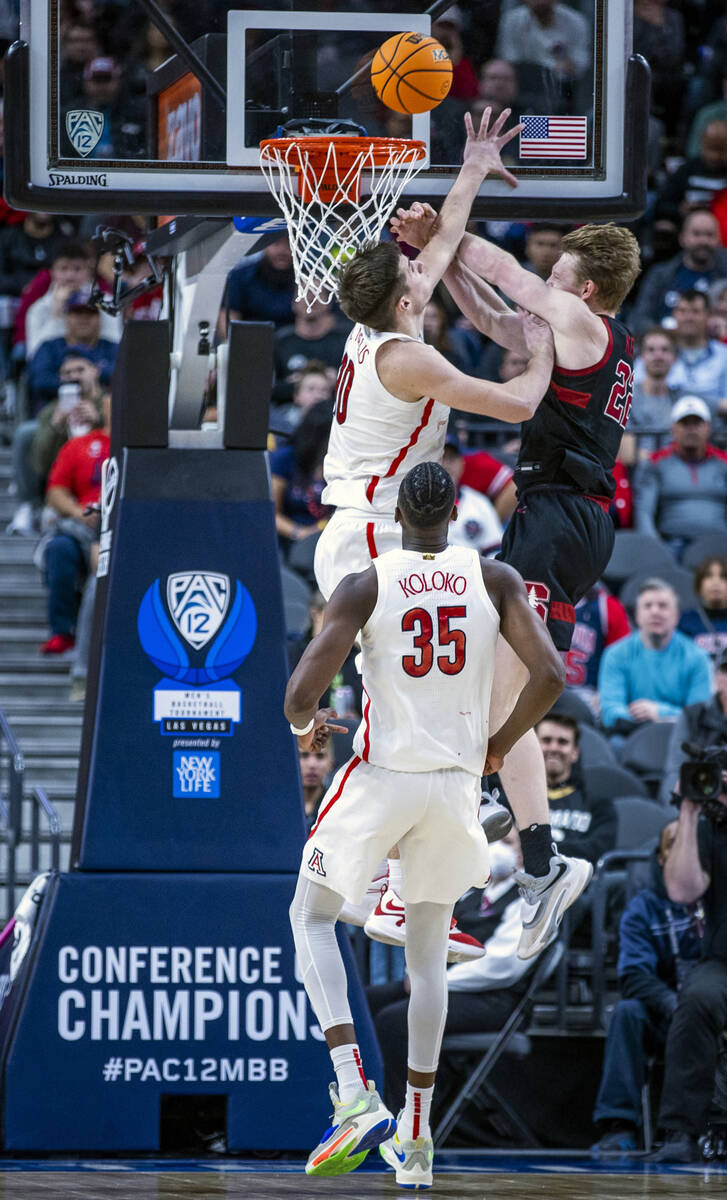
point(344, 379)
point(416, 666)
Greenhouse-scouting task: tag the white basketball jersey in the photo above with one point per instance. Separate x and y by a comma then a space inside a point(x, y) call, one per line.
point(428, 659)
point(375, 437)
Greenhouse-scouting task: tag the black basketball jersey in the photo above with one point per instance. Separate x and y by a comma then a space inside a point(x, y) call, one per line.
point(574, 437)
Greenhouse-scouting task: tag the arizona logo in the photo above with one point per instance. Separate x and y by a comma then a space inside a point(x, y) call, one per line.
point(315, 862)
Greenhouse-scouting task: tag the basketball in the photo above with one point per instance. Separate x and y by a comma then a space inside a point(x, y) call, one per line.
point(411, 73)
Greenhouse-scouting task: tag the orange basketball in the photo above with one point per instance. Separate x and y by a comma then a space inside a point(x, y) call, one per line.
point(411, 73)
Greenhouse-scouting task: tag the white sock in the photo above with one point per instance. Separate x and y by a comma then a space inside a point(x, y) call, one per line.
point(395, 875)
point(349, 1072)
point(414, 1120)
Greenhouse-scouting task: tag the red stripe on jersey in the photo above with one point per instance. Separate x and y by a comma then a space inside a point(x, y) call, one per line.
point(353, 763)
point(596, 366)
point(367, 727)
point(417, 1115)
point(398, 460)
point(373, 552)
point(562, 612)
point(568, 396)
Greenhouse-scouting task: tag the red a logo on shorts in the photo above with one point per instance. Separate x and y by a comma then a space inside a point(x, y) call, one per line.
point(315, 862)
point(538, 598)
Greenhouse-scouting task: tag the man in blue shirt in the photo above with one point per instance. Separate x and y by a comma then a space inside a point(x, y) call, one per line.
point(701, 262)
point(83, 322)
point(653, 673)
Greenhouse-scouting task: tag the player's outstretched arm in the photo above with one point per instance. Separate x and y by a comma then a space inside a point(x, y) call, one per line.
point(348, 610)
point(524, 630)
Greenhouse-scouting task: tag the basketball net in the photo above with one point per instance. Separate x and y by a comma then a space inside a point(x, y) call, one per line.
point(336, 194)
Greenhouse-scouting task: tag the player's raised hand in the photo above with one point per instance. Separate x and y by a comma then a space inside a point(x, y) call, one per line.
point(413, 225)
point(537, 333)
point(484, 145)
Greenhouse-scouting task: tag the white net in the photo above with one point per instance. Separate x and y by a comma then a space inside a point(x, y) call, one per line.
point(343, 200)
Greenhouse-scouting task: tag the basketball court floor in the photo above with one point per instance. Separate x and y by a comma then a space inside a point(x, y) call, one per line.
point(459, 1176)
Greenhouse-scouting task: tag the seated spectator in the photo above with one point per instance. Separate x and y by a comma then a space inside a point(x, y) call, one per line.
point(542, 248)
point(601, 620)
point(79, 46)
point(478, 525)
point(715, 110)
point(681, 491)
point(482, 992)
point(297, 478)
point(83, 325)
point(74, 485)
point(453, 343)
point(707, 625)
point(659, 941)
point(701, 364)
point(701, 262)
point(313, 385)
point(25, 249)
point(552, 35)
point(447, 29)
point(651, 674)
point(698, 183)
point(498, 86)
point(703, 724)
point(492, 478)
point(583, 825)
point(659, 36)
point(124, 127)
point(71, 271)
point(315, 768)
point(262, 287)
point(320, 334)
point(653, 397)
point(717, 325)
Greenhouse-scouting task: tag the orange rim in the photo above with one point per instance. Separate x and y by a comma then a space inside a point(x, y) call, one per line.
point(323, 182)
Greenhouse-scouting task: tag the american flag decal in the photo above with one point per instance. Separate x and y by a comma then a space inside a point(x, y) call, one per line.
point(553, 137)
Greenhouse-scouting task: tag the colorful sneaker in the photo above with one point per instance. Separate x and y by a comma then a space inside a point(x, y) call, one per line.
point(412, 1160)
point(356, 1128)
point(58, 643)
point(550, 895)
point(387, 923)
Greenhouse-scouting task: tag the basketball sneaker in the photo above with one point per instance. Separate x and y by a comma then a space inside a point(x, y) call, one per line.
point(387, 923)
point(495, 819)
point(549, 895)
point(412, 1160)
point(358, 914)
point(356, 1128)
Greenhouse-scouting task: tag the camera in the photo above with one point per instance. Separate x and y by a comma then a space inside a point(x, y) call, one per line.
point(700, 779)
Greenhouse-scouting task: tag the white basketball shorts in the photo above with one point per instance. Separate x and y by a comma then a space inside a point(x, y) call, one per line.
point(430, 815)
point(349, 543)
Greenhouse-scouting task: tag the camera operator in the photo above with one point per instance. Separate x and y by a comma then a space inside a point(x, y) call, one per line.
point(703, 724)
point(697, 870)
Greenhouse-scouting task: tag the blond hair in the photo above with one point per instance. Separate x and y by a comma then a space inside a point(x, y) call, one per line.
point(609, 256)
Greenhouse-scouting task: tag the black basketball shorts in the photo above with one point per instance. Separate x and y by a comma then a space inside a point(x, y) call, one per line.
point(560, 541)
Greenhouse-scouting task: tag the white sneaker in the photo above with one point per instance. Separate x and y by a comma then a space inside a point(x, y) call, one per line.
point(387, 924)
point(495, 819)
point(412, 1160)
point(23, 522)
point(550, 895)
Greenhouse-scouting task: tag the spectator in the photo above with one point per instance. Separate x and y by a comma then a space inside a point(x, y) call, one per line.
point(498, 85)
point(83, 323)
point(71, 552)
point(601, 620)
point(681, 491)
point(717, 326)
point(123, 133)
point(699, 181)
point(319, 334)
point(297, 478)
point(262, 287)
point(716, 110)
point(701, 262)
point(653, 398)
point(552, 35)
point(314, 384)
point(477, 524)
point(455, 344)
point(659, 941)
point(79, 45)
point(701, 365)
point(707, 624)
point(493, 479)
point(71, 271)
point(448, 32)
point(542, 248)
point(315, 768)
point(659, 36)
point(651, 674)
point(703, 724)
point(25, 249)
point(583, 825)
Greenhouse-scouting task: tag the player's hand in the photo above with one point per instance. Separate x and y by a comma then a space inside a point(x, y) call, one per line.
point(537, 333)
point(414, 225)
point(321, 731)
point(495, 758)
point(483, 147)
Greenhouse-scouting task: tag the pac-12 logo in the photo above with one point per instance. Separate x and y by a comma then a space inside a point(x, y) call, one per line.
point(84, 128)
point(204, 610)
point(538, 598)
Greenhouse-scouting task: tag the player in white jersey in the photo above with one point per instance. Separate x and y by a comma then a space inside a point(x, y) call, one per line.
point(429, 617)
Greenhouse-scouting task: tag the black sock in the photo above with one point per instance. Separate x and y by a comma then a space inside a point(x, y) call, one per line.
point(536, 843)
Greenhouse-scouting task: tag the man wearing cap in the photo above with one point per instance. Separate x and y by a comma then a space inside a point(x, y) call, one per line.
point(681, 491)
point(82, 323)
point(123, 133)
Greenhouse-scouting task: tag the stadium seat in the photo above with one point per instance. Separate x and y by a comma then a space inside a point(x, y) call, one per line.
point(705, 546)
point(633, 551)
point(570, 704)
point(296, 602)
point(607, 781)
point(682, 581)
point(596, 750)
point(300, 557)
point(640, 821)
point(645, 751)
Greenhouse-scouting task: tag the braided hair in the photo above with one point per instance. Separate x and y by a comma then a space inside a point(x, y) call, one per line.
point(427, 495)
